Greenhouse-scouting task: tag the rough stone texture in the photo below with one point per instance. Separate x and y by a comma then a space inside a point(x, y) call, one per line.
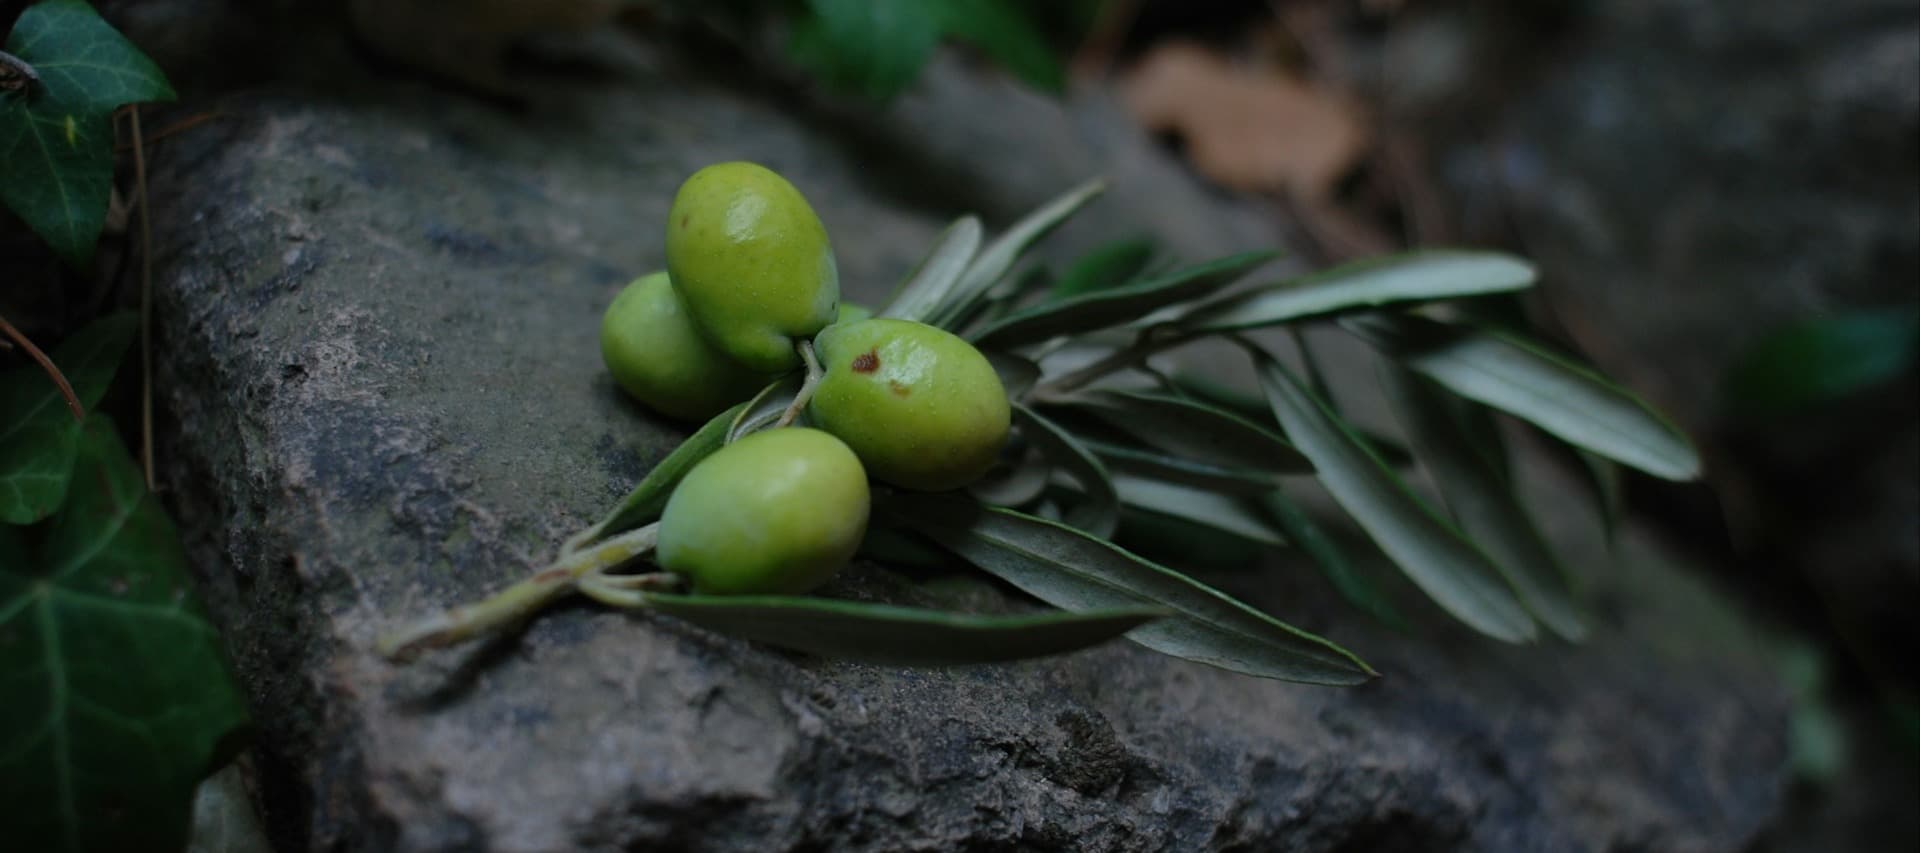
point(1694, 175)
point(376, 304)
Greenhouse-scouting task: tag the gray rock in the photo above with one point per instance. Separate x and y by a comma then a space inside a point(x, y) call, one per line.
point(377, 305)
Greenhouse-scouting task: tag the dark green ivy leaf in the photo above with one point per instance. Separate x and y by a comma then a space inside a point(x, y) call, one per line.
point(38, 433)
point(872, 47)
point(1823, 359)
point(118, 700)
point(910, 636)
point(56, 138)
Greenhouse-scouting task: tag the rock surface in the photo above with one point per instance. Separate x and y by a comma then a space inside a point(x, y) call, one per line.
point(376, 309)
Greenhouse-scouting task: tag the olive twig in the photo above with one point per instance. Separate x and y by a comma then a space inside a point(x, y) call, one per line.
point(814, 374)
point(519, 601)
point(627, 591)
point(1151, 341)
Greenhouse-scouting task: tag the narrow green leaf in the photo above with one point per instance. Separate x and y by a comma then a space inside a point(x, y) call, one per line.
point(1352, 583)
point(998, 257)
point(643, 505)
point(118, 700)
point(1194, 430)
point(1014, 485)
point(1523, 379)
point(1423, 276)
point(1114, 264)
point(899, 548)
point(1114, 306)
point(1098, 512)
point(1455, 573)
point(1609, 494)
point(906, 636)
point(874, 48)
point(1483, 503)
point(1823, 359)
point(56, 142)
point(1253, 407)
point(38, 433)
point(1228, 514)
point(939, 271)
point(1160, 465)
point(1072, 570)
point(766, 407)
point(1017, 374)
point(1184, 544)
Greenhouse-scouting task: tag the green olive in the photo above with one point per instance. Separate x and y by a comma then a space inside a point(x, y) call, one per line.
point(654, 351)
point(776, 512)
point(753, 262)
point(922, 408)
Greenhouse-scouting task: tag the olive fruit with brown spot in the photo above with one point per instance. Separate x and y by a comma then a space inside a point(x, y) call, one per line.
point(922, 408)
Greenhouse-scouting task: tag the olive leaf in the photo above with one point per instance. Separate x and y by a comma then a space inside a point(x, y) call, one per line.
point(1523, 379)
point(1347, 578)
point(38, 434)
point(1017, 484)
point(1228, 514)
point(1423, 276)
point(1192, 429)
point(644, 504)
point(118, 699)
point(1017, 374)
point(1114, 264)
point(938, 272)
point(911, 636)
point(56, 139)
point(1098, 512)
point(1483, 503)
point(1253, 407)
point(1454, 572)
point(766, 407)
point(1160, 465)
point(1114, 306)
point(1070, 569)
point(998, 257)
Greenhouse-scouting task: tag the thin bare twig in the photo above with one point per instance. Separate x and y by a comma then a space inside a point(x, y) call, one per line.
point(46, 364)
point(146, 300)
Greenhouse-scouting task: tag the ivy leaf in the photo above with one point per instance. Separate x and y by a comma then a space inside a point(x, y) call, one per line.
point(910, 636)
point(1072, 570)
point(1454, 572)
point(874, 48)
point(1523, 379)
point(1002, 30)
point(1414, 277)
point(38, 434)
point(118, 697)
point(56, 138)
point(1823, 359)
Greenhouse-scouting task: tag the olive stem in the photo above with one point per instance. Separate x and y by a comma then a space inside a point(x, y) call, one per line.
point(1147, 344)
point(519, 601)
point(627, 591)
point(814, 374)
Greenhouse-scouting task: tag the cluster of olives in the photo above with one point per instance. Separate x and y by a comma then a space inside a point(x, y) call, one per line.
point(750, 293)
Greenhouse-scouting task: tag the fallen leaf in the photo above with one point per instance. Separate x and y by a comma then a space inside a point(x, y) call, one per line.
point(1249, 128)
